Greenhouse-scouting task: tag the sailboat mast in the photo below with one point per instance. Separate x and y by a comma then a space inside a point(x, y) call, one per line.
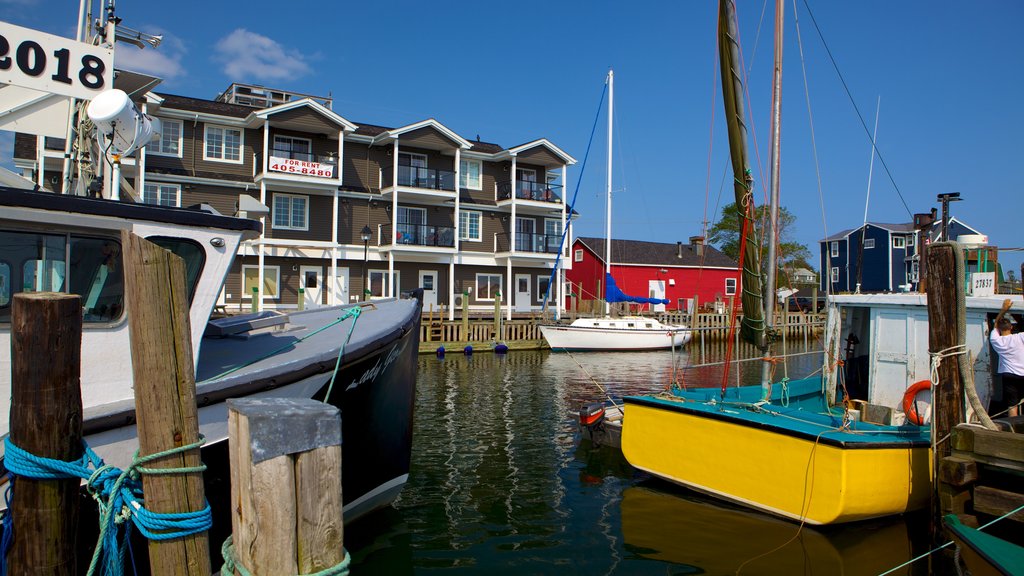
point(608, 216)
point(752, 327)
point(771, 291)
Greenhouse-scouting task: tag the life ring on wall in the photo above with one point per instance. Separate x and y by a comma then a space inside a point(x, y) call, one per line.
point(908, 401)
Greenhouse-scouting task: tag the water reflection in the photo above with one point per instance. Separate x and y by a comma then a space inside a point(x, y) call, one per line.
point(501, 484)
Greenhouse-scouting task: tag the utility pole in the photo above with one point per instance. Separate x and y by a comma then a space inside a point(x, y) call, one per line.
point(946, 199)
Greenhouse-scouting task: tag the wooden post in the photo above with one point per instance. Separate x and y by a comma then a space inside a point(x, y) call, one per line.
point(285, 486)
point(165, 395)
point(497, 317)
point(573, 301)
point(943, 317)
point(46, 420)
point(465, 317)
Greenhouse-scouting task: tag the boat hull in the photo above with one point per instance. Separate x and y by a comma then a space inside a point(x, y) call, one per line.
point(765, 462)
point(575, 338)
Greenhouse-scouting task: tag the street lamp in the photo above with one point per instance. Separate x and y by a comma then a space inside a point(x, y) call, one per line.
point(365, 235)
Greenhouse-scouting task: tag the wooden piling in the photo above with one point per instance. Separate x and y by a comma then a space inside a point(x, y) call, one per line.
point(943, 318)
point(497, 317)
point(165, 396)
point(46, 420)
point(465, 316)
point(286, 499)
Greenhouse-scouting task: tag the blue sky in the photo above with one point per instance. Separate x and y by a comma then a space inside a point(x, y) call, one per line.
point(949, 74)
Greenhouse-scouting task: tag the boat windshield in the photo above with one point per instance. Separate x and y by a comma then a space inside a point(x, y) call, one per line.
point(87, 266)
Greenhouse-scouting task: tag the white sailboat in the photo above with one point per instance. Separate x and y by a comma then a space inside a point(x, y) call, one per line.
point(614, 333)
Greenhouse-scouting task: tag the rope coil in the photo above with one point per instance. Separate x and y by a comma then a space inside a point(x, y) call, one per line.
point(232, 565)
point(118, 494)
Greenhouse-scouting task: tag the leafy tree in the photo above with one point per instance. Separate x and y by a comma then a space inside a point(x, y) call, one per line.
point(725, 235)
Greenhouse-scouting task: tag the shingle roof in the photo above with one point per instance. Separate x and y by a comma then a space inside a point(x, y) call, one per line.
point(206, 106)
point(905, 228)
point(658, 253)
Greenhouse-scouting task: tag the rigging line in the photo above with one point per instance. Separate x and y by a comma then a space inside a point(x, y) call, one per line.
point(855, 108)
point(568, 213)
point(814, 148)
point(750, 109)
point(711, 142)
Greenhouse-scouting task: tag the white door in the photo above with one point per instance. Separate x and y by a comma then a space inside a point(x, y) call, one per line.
point(656, 289)
point(341, 287)
point(311, 279)
point(524, 295)
point(428, 281)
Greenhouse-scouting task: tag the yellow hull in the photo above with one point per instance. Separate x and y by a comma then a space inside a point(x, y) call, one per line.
point(805, 479)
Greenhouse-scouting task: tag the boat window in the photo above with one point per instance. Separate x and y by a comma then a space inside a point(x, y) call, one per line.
point(649, 325)
point(191, 252)
point(630, 325)
point(34, 262)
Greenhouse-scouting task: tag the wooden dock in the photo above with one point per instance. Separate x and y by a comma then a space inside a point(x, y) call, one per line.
point(523, 333)
point(983, 474)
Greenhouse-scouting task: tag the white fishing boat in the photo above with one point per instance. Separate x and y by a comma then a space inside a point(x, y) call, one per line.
point(63, 243)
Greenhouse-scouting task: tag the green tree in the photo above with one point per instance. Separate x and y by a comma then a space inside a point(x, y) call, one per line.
point(725, 235)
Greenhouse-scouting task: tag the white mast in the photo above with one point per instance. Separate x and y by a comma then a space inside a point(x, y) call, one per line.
point(608, 221)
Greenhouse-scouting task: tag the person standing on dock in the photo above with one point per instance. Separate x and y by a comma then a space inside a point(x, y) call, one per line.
point(1010, 348)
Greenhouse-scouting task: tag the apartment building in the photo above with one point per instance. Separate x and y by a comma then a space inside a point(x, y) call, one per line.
point(354, 210)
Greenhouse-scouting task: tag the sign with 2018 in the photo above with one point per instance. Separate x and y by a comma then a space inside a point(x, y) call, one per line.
point(53, 64)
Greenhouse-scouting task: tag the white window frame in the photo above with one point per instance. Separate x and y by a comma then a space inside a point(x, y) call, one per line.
point(911, 240)
point(558, 224)
point(899, 242)
point(914, 272)
point(410, 209)
point(273, 212)
point(464, 181)
point(464, 235)
point(730, 291)
point(156, 148)
point(488, 298)
point(834, 247)
point(273, 270)
point(540, 293)
point(223, 158)
point(297, 138)
point(412, 155)
point(396, 279)
point(577, 255)
point(834, 275)
point(160, 187)
point(869, 243)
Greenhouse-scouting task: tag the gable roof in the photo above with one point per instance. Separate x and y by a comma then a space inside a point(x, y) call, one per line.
point(317, 107)
point(428, 123)
point(657, 253)
point(906, 228)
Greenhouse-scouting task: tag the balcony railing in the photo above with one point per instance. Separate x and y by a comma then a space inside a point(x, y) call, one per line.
point(420, 235)
point(416, 177)
point(526, 190)
point(537, 243)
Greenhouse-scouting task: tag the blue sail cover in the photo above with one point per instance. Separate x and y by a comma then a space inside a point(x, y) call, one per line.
point(612, 294)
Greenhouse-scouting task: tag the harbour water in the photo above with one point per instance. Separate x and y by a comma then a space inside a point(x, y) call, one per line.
point(501, 484)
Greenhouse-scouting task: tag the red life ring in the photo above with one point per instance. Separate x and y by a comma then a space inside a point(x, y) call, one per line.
point(908, 401)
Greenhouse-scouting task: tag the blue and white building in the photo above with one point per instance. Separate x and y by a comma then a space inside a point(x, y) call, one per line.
point(891, 255)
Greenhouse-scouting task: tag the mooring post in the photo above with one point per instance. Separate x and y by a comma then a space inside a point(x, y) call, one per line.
point(497, 317)
point(301, 304)
point(948, 399)
point(165, 396)
point(465, 317)
point(285, 458)
point(46, 420)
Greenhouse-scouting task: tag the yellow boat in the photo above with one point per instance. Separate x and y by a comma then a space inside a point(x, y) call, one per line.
point(798, 461)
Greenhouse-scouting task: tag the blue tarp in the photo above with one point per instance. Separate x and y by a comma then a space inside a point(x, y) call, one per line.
point(612, 294)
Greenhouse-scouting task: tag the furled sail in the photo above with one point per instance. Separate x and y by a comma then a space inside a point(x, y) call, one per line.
point(614, 294)
point(752, 328)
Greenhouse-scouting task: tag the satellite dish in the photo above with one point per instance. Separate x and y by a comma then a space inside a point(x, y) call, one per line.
point(121, 126)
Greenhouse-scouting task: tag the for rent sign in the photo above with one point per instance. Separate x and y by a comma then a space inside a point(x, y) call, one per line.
point(53, 64)
point(301, 167)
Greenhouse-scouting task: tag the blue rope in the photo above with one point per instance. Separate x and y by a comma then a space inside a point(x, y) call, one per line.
point(568, 216)
point(118, 494)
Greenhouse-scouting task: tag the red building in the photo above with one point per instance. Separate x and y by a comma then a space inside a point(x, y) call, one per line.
point(676, 272)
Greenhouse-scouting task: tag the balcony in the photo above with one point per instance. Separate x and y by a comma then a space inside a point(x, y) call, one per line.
point(427, 178)
point(534, 243)
point(526, 190)
point(420, 235)
point(303, 164)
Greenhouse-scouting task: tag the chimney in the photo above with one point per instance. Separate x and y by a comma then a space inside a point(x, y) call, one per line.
point(697, 243)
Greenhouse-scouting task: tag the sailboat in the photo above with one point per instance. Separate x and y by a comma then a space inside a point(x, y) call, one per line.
point(615, 333)
point(784, 447)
